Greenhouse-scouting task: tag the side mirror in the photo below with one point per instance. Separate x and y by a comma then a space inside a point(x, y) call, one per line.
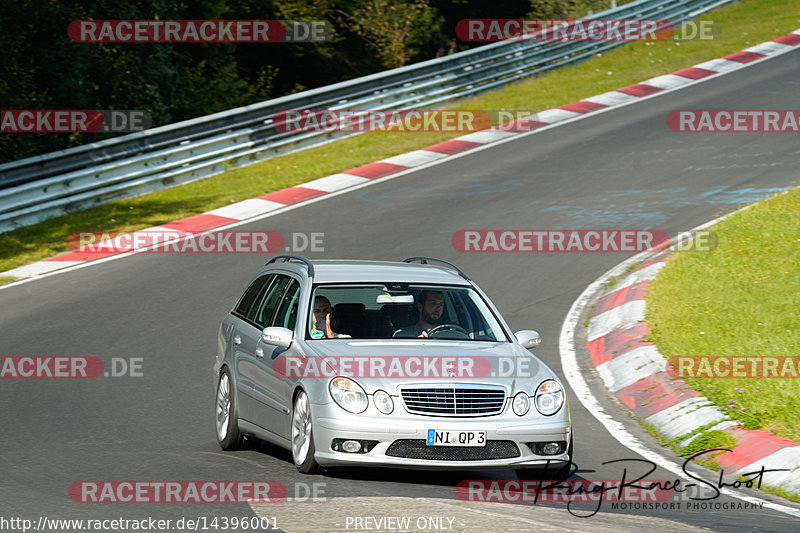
point(276, 336)
point(528, 338)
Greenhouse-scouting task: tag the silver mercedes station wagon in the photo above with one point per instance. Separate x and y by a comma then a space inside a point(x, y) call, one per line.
point(393, 364)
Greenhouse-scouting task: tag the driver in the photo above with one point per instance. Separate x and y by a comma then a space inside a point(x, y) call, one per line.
point(430, 305)
point(321, 320)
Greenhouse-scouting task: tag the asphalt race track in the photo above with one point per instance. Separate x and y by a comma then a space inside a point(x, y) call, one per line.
point(623, 169)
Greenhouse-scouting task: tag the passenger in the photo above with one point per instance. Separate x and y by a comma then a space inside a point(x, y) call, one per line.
point(322, 315)
point(430, 305)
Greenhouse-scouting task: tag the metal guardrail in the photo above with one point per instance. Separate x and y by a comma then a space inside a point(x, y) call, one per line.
point(40, 187)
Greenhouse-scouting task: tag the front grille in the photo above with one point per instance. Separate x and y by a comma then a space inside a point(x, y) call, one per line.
point(418, 449)
point(455, 400)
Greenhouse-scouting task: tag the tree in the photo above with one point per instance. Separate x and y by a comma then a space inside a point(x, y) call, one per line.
point(396, 30)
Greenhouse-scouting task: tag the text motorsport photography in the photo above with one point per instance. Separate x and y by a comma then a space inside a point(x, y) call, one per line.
point(633, 490)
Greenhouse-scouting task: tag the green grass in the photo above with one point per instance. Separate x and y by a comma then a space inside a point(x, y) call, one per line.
point(747, 23)
point(707, 441)
point(742, 299)
point(794, 496)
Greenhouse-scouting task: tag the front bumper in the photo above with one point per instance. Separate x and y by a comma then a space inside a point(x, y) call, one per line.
point(329, 422)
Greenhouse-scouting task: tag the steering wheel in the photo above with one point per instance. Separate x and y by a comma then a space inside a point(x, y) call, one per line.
point(448, 327)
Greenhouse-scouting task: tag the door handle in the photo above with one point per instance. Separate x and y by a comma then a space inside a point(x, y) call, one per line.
point(237, 340)
point(259, 353)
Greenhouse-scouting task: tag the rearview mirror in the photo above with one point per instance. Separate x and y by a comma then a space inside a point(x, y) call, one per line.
point(528, 338)
point(276, 336)
point(395, 299)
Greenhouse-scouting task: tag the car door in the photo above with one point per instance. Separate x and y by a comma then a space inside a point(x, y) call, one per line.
point(277, 390)
point(241, 342)
point(258, 404)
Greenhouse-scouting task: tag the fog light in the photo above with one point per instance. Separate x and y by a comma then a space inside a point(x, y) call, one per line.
point(551, 448)
point(548, 448)
point(351, 446)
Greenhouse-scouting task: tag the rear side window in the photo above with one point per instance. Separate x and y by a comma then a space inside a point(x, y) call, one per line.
point(251, 295)
point(286, 317)
point(262, 314)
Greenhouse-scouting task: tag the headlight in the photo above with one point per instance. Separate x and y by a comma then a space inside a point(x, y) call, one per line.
point(521, 403)
point(348, 394)
point(383, 402)
point(549, 397)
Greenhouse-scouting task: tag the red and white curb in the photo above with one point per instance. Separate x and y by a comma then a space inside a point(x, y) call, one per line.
point(264, 205)
point(639, 376)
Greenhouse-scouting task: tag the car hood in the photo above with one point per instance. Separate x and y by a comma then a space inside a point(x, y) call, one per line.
point(427, 362)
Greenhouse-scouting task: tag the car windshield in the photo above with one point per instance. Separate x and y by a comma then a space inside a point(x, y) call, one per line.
point(401, 310)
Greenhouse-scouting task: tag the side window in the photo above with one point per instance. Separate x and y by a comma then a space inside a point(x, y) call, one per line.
point(286, 317)
point(263, 312)
point(251, 295)
point(461, 311)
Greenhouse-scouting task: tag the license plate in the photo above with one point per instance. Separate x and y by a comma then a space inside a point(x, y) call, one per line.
point(449, 437)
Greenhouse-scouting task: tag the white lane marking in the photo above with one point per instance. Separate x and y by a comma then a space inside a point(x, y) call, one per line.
point(788, 458)
point(38, 268)
point(622, 316)
point(569, 363)
point(554, 115)
point(721, 65)
point(769, 47)
point(415, 158)
point(627, 369)
point(334, 182)
point(683, 417)
point(336, 179)
point(647, 273)
point(612, 98)
point(245, 209)
point(667, 81)
point(487, 136)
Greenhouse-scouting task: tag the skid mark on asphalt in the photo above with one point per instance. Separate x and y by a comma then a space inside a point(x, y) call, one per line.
point(451, 515)
point(647, 213)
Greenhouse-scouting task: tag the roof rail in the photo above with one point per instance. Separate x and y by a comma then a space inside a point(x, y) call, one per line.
point(424, 261)
point(300, 258)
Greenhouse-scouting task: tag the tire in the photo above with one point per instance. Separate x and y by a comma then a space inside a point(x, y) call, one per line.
point(227, 419)
point(565, 470)
point(303, 436)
